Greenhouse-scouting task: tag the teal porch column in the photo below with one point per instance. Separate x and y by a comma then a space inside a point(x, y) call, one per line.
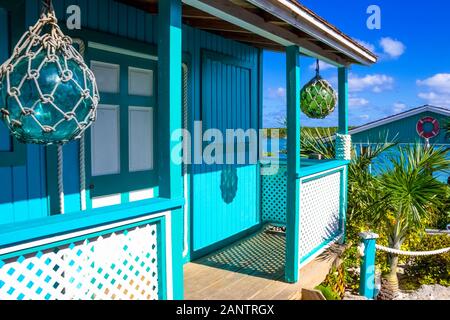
point(367, 274)
point(293, 163)
point(169, 119)
point(343, 99)
point(343, 142)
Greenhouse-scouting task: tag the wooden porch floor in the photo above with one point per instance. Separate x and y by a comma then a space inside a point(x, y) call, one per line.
point(250, 269)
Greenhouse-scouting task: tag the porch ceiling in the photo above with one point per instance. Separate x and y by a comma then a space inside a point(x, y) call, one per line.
point(271, 25)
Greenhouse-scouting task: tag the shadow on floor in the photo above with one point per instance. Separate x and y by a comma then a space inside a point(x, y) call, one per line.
point(260, 255)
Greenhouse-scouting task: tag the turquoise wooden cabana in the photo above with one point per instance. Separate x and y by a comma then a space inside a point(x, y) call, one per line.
point(111, 216)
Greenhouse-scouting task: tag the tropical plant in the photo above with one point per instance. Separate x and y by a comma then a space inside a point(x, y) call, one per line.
point(430, 269)
point(407, 195)
point(397, 202)
point(317, 141)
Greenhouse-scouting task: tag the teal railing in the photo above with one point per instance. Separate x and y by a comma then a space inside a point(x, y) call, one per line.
point(323, 201)
point(110, 253)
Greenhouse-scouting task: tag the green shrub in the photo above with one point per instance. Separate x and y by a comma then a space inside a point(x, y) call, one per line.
point(328, 292)
point(430, 269)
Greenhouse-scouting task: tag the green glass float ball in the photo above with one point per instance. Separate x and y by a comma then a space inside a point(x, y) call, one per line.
point(49, 101)
point(318, 98)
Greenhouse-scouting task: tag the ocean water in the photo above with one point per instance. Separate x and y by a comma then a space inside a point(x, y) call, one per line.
point(380, 164)
point(268, 146)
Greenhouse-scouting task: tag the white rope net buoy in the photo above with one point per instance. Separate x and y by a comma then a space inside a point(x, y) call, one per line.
point(343, 146)
point(412, 253)
point(48, 93)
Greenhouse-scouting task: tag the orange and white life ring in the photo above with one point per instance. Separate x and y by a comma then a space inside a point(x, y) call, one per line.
point(428, 134)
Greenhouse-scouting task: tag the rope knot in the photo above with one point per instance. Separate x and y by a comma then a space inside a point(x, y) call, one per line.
point(69, 116)
point(4, 112)
point(47, 129)
point(66, 75)
point(47, 98)
point(27, 112)
point(14, 92)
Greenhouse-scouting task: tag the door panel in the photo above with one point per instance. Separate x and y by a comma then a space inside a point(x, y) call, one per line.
point(225, 196)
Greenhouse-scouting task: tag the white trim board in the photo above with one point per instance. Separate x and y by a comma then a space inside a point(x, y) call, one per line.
point(105, 47)
point(324, 33)
point(403, 115)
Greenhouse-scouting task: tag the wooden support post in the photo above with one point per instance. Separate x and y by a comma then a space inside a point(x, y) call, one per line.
point(343, 143)
point(293, 163)
point(169, 119)
point(343, 99)
point(367, 274)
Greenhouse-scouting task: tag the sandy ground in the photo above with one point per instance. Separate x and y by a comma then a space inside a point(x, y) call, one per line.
point(427, 292)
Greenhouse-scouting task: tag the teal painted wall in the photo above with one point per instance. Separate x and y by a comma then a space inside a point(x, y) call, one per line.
point(405, 129)
point(234, 88)
point(225, 201)
point(22, 187)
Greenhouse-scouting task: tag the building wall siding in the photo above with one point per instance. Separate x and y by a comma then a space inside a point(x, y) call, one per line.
point(22, 188)
point(404, 129)
point(25, 195)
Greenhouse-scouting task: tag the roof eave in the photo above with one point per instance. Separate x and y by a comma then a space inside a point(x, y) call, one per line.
point(307, 23)
point(400, 116)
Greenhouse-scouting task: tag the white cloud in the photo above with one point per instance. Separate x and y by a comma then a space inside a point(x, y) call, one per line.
point(436, 99)
point(274, 93)
point(322, 66)
point(392, 47)
point(439, 82)
point(399, 107)
point(357, 102)
point(364, 117)
point(438, 89)
point(368, 45)
point(374, 82)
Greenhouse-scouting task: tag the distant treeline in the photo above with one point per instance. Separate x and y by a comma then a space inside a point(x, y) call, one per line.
point(320, 131)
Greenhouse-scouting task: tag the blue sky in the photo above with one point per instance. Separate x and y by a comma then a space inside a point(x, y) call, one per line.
point(413, 46)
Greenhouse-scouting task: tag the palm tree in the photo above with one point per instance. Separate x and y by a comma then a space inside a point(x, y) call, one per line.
point(362, 184)
point(408, 194)
point(315, 141)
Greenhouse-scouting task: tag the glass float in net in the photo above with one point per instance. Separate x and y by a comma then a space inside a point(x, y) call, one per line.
point(48, 95)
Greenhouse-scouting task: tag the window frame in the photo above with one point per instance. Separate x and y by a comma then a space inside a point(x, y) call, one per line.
point(124, 181)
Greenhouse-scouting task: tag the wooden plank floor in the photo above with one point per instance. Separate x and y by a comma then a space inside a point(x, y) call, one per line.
point(250, 269)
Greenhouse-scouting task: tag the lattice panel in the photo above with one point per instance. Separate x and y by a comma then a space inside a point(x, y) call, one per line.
point(274, 196)
point(122, 265)
point(319, 212)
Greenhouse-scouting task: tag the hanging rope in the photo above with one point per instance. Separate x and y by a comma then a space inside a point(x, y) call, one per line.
point(47, 6)
point(185, 168)
point(82, 150)
point(49, 95)
point(61, 180)
point(317, 68)
point(412, 253)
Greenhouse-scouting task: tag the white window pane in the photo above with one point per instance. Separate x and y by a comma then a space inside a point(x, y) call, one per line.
point(141, 195)
point(140, 135)
point(106, 201)
point(140, 82)
point(107, 76)
point(105, 141)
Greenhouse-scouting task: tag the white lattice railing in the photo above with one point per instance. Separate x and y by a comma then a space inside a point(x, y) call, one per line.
point(322, 207)
point(115, 262)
